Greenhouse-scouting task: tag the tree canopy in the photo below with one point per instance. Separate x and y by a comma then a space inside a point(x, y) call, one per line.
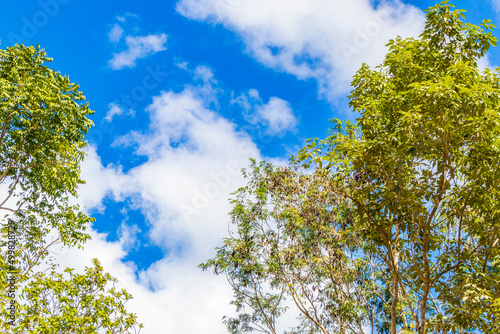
point(391, 223)
point(43, 120)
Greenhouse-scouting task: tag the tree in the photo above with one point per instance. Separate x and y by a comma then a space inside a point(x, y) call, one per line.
point(410, 194)
point(288, 244)
point(43, 122)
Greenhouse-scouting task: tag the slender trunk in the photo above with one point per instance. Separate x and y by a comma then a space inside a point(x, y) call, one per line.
point(427, 281)
point(395, 281)
point(395, 293)
point(423, 311)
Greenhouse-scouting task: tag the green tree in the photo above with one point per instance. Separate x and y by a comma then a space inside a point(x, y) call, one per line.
point(411, 196)
point(289, 244)
point(43, 120)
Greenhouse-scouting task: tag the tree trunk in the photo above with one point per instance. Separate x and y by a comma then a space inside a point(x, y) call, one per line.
point(395, 294)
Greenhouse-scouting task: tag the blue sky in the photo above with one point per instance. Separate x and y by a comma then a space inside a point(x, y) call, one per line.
point(184, 92)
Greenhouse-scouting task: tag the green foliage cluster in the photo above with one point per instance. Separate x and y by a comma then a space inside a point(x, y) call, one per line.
point(43, 122)
point(397, 227)
point(288, 243)
point(78, 304)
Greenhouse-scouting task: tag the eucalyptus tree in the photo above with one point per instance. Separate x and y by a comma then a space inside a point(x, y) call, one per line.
point(288, 244)
point(398, 226)
point(43, 122)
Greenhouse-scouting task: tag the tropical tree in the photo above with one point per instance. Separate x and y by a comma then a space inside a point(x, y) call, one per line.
point(288, 244)
point(44, 120)
point(410, 197)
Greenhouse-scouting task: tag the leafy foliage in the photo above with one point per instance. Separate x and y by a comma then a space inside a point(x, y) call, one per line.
point(43, 122)
point(289, 245)
point(79, 304)
point(410, 199)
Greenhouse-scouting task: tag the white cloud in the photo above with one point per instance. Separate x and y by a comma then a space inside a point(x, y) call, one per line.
point(115, 34)
point(181, 64)
point(138, 47)
point(323, 39)
point(114, 110)
point(193, 162)
point(100, 181)
point(276, 116)
point(126, 16)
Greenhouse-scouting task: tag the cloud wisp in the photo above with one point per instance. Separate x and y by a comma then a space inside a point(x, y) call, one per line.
point(114, 110)
point(137, 46)
point(327, 40)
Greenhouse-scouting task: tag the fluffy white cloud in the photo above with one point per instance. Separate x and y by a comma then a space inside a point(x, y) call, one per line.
point(115, 34)
point(194, 157)
point(276, 116)
point(323, 39)
point(114, 110)
point(138, 47)
point(194, 162)
point(100, 181)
